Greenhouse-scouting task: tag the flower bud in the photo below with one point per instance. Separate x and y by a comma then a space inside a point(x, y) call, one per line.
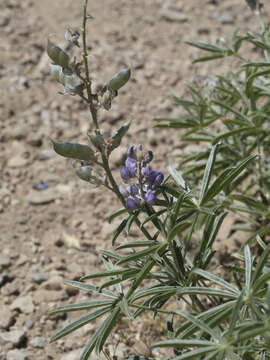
point(150, 197)
point(130, 151)
point(146, 171)
point(132, 203)
point(58, 56)
point(119, 80)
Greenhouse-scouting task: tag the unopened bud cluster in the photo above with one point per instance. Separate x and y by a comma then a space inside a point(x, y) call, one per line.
point(140, 181)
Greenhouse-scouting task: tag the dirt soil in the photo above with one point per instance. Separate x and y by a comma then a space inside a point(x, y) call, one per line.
point(52, 224)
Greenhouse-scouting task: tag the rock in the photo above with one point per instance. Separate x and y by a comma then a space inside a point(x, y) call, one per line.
point(5, 278)
point(39, 278)
point(7, 318)
point(172, 13)
point(42, 296)
point(74, 354)
point(24, 304)
point(38, 342)
point(17, 162)
point(55, 283)
point(4, 261)
point(71, 241)
point(226, 18)
point(16, 355)
point(22, 260)
point(42, 197)
point(46, 154)
point(15, 337)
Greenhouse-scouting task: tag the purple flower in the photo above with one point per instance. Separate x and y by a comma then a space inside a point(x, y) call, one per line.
point(123, 190)
point(132, 203)
point(146, 171)
point(130, 151)
point(154, 179)
point(131, 166)
point(149, 157)
point(124, 173)
point(133, 190)
point(150, 197)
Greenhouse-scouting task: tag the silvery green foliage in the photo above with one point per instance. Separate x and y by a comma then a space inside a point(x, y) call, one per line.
point(224, 319)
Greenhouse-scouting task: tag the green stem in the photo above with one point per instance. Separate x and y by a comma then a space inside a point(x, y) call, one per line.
point(88, 84)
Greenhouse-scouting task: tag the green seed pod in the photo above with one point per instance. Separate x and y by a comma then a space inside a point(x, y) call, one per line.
point(74, 151)
point(119, 80)
point(107, 100)
point(89, 174)
point(98, 141)
point(116, 138)
point(71, 82)
point(58, 56)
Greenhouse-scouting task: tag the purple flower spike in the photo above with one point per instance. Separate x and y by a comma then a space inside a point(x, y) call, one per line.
point(132, 203)
point(150, 197)
point(131, 166)
point(124, 173)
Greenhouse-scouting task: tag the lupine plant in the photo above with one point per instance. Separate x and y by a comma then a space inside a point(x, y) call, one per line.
point(213, 318)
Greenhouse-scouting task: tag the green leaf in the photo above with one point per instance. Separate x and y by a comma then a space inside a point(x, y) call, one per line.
point(196, 354)
point(116, 214)
point(225, 179)
point(208, 170)
point(199, 323)
point(79, 323)
point(178, 178)
point(138, 255)
point(80, 306)
point(261, 263)
point(74, 151)
point(244, 119)
point(248, 267)
point(134, 244)
point(106, 328)
point(245, 131)
point(206, 46)
point(217, 280)
point(179, 343)
point(91, 289)
point(119, 230)
point(207, 58)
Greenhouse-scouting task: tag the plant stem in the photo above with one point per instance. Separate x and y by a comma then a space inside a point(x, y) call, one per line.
point(88, 84)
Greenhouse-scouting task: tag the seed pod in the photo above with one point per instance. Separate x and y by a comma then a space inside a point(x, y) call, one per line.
point(58, 56)
point(70, 82)
point(119, 80)
point(116, 138)
point(98, 141)
point(74, 151)
point(107, 100)
point(89, 174)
